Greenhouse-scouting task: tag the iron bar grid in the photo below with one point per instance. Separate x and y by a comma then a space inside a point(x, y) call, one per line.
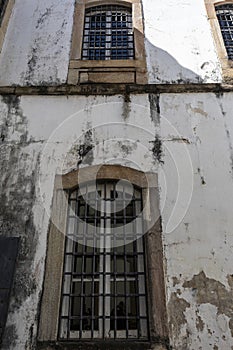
point(104, 284)
point(108, 33)
point(225, 18)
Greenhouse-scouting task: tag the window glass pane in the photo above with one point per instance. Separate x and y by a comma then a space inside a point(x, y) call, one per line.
point(131, 288)
point(76, 306)
point(77, 288)
point(120, 264)
point(79, 248)
point(65, 306)
point(132, 306)
point(143, 328)
point(130, 264)
point(130, 248)
point(120, 287)
point(68, 263)
point(78, 264)
point(88, 268)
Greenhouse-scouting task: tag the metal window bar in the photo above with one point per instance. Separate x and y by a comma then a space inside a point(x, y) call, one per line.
point(108, 33)
point(104, 284)
point(225, 18)
point(3, 5)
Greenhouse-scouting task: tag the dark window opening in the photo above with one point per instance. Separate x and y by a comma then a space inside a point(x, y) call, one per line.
point(108, 33)
point(225, 18)
point(104, 281)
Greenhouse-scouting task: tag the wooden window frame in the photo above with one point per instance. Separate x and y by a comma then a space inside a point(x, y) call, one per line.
point(5, 20)
point(48, 336)
point(108, 71)
point(226, 64)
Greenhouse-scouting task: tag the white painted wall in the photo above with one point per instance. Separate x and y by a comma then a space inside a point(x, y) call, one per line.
point(203, 239)
point(179, 44)
point(37, 44)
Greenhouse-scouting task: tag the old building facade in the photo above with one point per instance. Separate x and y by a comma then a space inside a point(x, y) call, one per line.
point(116, 159)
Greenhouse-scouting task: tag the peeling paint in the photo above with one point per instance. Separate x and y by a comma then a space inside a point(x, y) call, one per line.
point(199, 324)
point(176, 309)
point(210, 291)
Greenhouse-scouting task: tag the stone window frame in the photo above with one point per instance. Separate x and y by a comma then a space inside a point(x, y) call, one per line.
point(5, 20)
point(109, 71)
point(48, 334)
point(226, 64)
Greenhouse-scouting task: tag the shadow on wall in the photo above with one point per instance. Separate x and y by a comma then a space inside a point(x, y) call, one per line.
point(164, 68)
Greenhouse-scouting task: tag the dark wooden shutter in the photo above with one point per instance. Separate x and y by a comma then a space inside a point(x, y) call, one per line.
point(8, 254)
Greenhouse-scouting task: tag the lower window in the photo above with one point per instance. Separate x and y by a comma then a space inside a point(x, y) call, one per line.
point(104, 280)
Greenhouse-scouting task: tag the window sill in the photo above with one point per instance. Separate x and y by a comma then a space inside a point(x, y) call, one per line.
point(109, 71)
point(100, 345)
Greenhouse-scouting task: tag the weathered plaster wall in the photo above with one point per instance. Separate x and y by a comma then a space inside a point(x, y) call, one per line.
point(179, 45)
point(198, 251)
point(37, 43)
point(42, 136)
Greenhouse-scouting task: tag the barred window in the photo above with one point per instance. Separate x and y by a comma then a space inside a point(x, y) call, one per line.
point(225, 18)
point(104, 280)
point(108, 33)
point(3, 5)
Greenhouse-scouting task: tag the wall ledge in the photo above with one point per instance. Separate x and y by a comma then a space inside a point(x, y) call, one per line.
point(114, 89)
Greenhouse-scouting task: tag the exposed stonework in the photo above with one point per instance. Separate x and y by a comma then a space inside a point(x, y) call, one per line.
point(176, 310)
point(209, 291)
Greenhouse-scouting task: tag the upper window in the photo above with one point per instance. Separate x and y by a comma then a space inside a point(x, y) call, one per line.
point(225, 18)
point(108, 33)
point(108, 43)
point(220, 15)
point(104, 283)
